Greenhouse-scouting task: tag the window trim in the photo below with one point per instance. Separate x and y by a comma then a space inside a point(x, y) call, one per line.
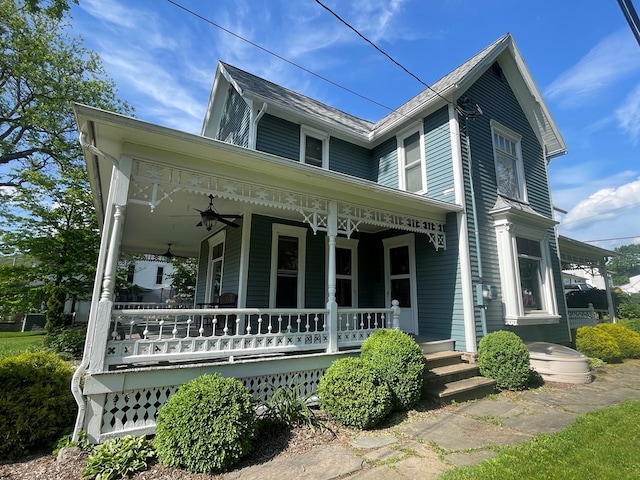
point(278, 230)
point(499, 129)
point(400, 138)
point(507, 231)
point(306, 131)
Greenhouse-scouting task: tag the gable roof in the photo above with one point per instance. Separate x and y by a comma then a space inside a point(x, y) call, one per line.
point(449, 88)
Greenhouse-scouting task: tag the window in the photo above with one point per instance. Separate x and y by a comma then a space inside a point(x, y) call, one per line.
point(530, 267)
point(314, 147)
point(508, 162)
point(411, 168)
point(527, 281)
point(346, 271)
point(131, 270)
point(287, 266)
point(159, 275)
point(216, 262)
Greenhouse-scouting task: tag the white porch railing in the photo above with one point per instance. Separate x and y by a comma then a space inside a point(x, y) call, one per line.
point(154, 335)
point(585, 317)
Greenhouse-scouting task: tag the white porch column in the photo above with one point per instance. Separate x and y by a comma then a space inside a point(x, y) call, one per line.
point(332, 319)
point(607, 288)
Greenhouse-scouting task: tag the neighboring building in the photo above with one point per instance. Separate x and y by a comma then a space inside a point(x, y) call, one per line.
point(324, 227)
point(633, 286)
point(149, 281)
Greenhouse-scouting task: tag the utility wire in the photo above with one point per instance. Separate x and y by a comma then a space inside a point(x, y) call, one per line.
point(608, 239)
point(631, 16)
point(598, 214)
point(465, 113)
point(280, 57)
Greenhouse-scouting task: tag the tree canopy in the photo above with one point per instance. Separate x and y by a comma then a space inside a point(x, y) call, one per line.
point(626, 264)
point(47, 216)
point(42, 72)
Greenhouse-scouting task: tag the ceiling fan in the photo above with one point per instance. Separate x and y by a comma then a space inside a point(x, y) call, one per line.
point(210, 216)
point(169, 255)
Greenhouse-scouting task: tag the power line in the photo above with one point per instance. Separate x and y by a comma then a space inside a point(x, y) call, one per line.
point(608, 239)
point(280, 57)
point(600, 213)
point(632, 17)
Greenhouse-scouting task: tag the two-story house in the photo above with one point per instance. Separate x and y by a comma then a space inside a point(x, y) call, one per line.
point(324, 227)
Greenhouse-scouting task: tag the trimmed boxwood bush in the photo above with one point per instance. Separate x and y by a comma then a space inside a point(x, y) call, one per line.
point(36, 404)
point(207, 425)
point(504, 357)
point(596, 343)
point(354, 393)
point(400, 361)
point(627, 340)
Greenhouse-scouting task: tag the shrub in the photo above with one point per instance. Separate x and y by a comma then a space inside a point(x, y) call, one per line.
point(288, 405)
point(207, 425)
point(68, 343)
point(354, 393)
point(36, 404)
point(595, 342)
point(400, 361)
point(631, 324)
point(504, 357)
point(119, 457)
point(629, 310)
point(627, 340)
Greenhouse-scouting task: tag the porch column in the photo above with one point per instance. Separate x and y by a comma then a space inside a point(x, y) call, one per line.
point(332, 319)
point(607, 288)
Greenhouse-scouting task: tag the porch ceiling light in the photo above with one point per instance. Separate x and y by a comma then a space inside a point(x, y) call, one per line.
point(210, 217)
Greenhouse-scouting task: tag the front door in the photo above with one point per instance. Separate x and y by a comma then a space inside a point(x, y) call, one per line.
point(400, 279)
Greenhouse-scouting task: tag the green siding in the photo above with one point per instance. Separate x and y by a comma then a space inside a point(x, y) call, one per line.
point(278, 137)
point(498, 102)
point(234, 124)
point(345, 157)
point(439, 166)
point(315, 280)
point(384, 163)
point(231, 264)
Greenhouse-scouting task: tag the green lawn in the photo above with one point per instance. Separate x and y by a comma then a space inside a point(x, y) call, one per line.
point(13, 343)
point(599, 445)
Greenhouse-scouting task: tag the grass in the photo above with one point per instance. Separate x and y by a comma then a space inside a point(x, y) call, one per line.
point(602, 444)
point(14, 343)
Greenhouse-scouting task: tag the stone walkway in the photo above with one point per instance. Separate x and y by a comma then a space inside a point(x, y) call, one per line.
point(426, 446)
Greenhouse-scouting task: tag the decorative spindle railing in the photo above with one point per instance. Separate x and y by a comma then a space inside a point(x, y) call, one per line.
point(139, 336)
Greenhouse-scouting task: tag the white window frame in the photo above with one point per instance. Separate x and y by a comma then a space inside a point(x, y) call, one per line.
point(215, 240)
point(280, 230)
point(515, 313)
point(306, 131)
point(402, 167)
point(510, 135)
point(349, 244)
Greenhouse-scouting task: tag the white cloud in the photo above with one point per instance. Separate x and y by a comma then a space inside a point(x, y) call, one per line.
point(607, 205)
point(614, 57)
point(628, 115)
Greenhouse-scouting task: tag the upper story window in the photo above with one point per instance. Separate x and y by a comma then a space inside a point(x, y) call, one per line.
point(411, 161)
point(314, 147)
point(508, 162)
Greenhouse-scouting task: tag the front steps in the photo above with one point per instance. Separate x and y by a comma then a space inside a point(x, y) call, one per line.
point(448, 377)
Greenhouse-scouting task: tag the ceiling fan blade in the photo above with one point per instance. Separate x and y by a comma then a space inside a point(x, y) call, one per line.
point(229, 215)
point(227, 222)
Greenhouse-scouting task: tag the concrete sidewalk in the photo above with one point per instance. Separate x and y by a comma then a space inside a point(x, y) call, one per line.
point(426, 444)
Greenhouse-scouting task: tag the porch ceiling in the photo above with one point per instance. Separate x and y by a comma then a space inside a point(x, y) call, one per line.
point(174, 172)
point(580, 253)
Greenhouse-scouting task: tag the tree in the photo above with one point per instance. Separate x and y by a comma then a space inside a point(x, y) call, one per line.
point(60, 233)
point(626, 264)
point(183, 279)
point(46, 212)
point(42, 72)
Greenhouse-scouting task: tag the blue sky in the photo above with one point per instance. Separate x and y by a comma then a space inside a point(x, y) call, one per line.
point(582, 56)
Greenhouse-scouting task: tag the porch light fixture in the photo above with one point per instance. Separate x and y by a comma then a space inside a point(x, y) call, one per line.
point(210, 217)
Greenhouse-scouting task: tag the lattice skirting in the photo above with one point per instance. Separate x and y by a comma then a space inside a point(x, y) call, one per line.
point(135, 411)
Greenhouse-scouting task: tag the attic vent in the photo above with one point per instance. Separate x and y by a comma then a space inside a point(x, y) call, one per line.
point(497, 71)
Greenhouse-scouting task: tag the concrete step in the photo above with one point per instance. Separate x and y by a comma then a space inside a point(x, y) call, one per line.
point(462, 390)
point(441, 359)
point(450, 373)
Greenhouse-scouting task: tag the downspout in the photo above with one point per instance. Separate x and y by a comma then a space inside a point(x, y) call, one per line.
point(253, 138)
point(476, 232)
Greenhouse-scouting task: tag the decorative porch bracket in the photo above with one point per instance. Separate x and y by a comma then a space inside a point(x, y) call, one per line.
point(152, 184)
